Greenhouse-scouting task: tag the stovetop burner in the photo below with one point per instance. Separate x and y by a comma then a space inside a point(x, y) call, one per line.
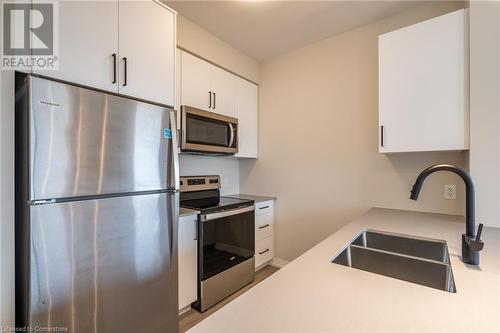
point(212, 202)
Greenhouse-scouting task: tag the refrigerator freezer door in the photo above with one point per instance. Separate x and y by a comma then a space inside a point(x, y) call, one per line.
point(107, 265)
point(85, 142)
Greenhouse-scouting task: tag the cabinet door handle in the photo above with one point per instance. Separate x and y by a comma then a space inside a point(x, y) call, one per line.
point(114, 68)
point(381, 136)
point(266, 250)
point(214, 99)
point(264, 226)
point(264, 207)
point(209, 99)
point(125, 71)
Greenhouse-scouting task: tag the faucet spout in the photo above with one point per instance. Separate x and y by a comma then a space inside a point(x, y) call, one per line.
point(468, 254)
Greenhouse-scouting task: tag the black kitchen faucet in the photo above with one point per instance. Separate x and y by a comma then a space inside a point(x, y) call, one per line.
point(471, 242)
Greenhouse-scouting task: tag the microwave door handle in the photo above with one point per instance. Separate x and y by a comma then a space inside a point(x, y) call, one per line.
point(231, 138)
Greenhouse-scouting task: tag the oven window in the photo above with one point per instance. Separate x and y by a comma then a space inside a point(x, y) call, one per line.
point(206, 131)
point(227, 242)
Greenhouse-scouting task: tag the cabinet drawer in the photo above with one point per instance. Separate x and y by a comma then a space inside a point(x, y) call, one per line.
point(264, 207)
point(263, 226)
point(264, 250)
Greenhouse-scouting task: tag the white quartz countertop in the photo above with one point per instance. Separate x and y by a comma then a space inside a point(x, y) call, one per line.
point(187, 211)
point(313, 295)
point(256, 198)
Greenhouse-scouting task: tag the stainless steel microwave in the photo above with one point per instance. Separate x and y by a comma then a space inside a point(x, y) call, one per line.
point(208, 132)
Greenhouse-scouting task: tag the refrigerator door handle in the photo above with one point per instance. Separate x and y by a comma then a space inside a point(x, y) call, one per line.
point(173, 209)
point(175, 157)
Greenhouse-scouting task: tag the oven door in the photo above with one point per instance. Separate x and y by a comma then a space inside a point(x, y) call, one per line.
point(208, 132)
point(226, 239)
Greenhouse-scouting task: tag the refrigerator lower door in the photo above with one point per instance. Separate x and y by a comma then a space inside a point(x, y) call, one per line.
point(106, 265)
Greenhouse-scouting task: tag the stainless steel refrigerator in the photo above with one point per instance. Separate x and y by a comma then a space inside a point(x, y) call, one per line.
point(96, 210)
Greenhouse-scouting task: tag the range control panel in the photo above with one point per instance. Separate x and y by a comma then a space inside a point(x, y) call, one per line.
point(199, 183)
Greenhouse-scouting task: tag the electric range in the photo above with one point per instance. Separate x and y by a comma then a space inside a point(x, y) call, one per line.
point(226, 239)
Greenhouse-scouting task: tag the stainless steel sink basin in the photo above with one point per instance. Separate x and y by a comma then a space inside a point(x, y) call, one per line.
point(417, 260)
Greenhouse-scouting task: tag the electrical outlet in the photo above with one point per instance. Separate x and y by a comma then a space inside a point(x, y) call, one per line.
point(450, 192)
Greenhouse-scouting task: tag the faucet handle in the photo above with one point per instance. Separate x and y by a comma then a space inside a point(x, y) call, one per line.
point(476, 244)
point(479, 231)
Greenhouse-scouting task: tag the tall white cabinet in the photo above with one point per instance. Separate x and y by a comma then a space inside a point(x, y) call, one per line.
point(210, 88)
point(188, 260)
point(423, 86)
point(126, 47)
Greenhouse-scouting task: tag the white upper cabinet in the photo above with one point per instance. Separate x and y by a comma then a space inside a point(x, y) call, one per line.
point(147, 51)
point(95, 38)
point(195, 82)
point(223, 92)
point(205, 86)
point(88, 38)
point(210, 88)
point(423, 86)
point(246, 112)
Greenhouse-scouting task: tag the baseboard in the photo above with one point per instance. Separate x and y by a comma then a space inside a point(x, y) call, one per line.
point(185, 309)
point(278, 262)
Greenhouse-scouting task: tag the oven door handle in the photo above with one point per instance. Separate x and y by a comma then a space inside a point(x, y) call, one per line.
point(231, 138)
point(213, 216)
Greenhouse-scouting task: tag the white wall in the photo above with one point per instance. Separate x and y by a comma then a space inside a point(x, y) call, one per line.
point(318, 146)
point(6, 198)
point(485, 108)
point(192, 37)
point(226, 167)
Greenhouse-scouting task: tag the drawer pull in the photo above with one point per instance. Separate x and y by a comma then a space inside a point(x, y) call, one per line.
point(264, 207)
point(266, 250)
point(264, 226)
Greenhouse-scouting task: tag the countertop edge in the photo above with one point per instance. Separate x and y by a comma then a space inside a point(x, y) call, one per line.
point(256, 198)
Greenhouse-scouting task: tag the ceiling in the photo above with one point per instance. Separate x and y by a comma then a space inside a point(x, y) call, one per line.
point(264, 29)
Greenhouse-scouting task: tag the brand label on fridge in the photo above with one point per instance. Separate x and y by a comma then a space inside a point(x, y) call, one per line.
point(167, 133)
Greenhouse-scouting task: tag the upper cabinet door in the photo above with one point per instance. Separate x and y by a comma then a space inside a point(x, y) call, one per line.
point(195, 82)
point(223, 89)
point(147, 51)
point(423, 86)
point(246, 112)
point(88, 38)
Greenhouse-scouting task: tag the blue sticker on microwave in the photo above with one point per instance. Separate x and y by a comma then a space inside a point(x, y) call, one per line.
point(167, 133)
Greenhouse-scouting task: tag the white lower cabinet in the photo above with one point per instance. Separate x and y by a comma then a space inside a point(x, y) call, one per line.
point(264, 238)
point(188, 260)
point(264, 249)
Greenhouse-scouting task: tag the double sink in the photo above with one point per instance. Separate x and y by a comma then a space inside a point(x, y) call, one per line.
point(418, 260)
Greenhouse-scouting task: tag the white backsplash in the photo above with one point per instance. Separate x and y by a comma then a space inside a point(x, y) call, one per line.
point(227, 167)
